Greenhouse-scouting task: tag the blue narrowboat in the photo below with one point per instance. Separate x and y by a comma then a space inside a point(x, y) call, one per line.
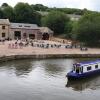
point(84, 70)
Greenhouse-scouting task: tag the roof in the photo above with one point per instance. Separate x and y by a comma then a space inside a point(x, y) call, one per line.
point(23, 26)
point(45, 30)
point(71, 16)
point(4, 22)
point(43, 13)
point(74, 16)
point(89, 62)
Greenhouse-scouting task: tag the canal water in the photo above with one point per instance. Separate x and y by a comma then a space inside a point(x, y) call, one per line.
point(44, 80)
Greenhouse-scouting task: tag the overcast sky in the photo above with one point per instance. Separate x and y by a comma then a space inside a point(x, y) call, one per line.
point(89, 4)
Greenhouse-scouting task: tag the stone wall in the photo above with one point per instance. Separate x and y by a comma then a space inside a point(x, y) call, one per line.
point(48, 56)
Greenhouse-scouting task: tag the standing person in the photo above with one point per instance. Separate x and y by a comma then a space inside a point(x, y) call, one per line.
point(21, 45)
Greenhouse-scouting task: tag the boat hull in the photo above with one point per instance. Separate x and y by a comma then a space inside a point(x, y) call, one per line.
point(75, 76)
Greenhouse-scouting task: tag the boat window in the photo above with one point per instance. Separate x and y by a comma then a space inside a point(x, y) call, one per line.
point(82, 69)
point(73, 67)
point(77, 69)
point(88, 68)
point(96, 66)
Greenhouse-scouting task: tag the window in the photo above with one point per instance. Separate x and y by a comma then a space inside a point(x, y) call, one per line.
point(27, 26)
point(3, 27)
point(82, 69)
point(3, 34)
point(77, 69)
point(88, 68)
point(96, 66)
point(20, 25)
point(73, 67)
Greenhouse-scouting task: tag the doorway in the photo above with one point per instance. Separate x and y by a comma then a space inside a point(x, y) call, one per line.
point(45, 36)
point(17, 34)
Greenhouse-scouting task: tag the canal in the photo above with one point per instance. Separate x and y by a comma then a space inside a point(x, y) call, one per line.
point(44, 80)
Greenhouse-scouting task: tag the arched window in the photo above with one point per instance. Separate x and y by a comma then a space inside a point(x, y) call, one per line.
point(45, 36)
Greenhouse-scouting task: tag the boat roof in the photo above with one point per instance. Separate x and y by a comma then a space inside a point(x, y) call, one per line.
point(88, 62)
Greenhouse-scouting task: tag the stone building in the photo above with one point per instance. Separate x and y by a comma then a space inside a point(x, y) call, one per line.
point(23, 31)
point(4, 28)
point(74, 17)
point(46, 33)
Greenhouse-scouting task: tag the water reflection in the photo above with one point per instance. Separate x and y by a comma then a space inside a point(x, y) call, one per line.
point(20, 67)
point(55, 66)
point(23, 68)
point(92, 83)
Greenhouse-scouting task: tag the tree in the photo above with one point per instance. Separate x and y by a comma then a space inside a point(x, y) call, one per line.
point(39, 7)
point(68, 29)
point(9, 13)
point(1, 14)
point(74, 30)
point(4, 5)
point(25, 14)
point(37, 18)
point(56, 21)
point(89, 29)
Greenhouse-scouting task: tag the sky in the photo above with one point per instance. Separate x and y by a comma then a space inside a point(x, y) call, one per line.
point(81, 4)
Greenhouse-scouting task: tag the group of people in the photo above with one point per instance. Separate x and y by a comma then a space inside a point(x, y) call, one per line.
point(19, 44)
point(24, 43)
point(15, 45)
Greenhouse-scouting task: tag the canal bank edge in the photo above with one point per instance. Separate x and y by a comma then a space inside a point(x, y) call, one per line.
point(47, 56)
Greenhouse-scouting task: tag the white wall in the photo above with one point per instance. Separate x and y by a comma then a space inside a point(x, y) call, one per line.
point(92, 67)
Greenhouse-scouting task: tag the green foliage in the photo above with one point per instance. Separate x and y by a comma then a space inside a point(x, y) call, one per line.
point(68, 27)
point(9, 13)
point(36, 17)
point(21, 13)
point(4, 5)
point(89, 29)
point(25, 14)
point(56, 21)
point(74, 30)
point(68, 30)
point(73, 11)
point(1, 14)
point(70, 10)
point(39, 7)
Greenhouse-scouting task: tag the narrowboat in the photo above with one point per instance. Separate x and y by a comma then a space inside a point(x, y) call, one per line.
point(84, 70)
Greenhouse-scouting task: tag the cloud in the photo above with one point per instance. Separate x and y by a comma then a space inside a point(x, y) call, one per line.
point(89, 4)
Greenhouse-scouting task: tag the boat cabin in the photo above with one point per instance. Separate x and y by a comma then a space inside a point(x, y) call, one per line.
point(85, 67)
